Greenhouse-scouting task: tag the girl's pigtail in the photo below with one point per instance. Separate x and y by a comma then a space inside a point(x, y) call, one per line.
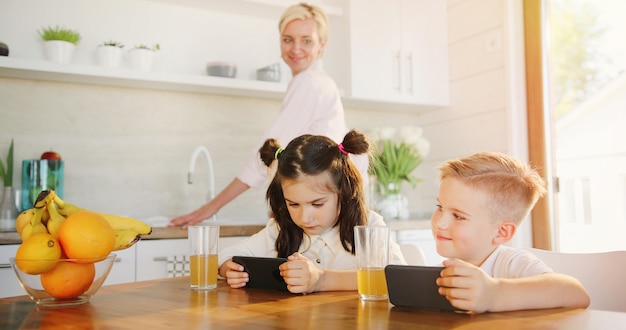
point(269, 151)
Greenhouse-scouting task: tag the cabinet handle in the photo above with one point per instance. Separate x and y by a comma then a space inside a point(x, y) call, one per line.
point(398, 60)
point(410, 72)
point(160, 259)
point(5, 266)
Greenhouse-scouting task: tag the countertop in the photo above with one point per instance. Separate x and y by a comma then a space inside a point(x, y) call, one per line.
point(171, 304)
point(228, 229)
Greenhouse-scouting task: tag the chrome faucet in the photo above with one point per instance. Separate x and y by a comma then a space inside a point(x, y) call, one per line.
point(192, 166)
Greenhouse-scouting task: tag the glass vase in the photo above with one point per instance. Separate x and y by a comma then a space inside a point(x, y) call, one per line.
point(8, 209)
point(392, 203)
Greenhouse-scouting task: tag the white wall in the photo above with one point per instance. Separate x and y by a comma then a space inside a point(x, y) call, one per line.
point(127, 150)
point(487, 90)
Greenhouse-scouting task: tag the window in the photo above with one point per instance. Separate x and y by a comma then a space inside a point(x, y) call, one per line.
point(577, 103)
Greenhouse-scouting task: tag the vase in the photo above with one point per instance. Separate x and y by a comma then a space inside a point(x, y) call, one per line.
point(392, 204)
point(109, 56)
point(8, 209)
point(59, 51)
point(141, 59)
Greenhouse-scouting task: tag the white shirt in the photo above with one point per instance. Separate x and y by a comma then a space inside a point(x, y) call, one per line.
point(325, 250)
point(509, 262)
point(312, 105)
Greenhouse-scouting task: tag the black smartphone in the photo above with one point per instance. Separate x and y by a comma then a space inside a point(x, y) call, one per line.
point(415, 286)
point(263, 272)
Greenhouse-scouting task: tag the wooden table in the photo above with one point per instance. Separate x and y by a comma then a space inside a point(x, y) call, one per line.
point(169, 303)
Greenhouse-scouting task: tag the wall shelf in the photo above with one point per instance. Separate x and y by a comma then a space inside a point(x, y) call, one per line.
point(95, 75)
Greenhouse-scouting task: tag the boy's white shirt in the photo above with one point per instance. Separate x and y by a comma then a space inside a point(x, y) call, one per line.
point(510, 262)
point(325, 250)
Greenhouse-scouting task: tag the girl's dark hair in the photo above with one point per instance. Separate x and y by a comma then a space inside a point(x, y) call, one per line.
point(313, 155)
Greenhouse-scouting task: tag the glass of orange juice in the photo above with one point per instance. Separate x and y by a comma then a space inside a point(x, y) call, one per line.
point(372, 254)
point(203, 256)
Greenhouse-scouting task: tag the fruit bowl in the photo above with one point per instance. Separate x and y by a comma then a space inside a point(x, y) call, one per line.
point(69, 282)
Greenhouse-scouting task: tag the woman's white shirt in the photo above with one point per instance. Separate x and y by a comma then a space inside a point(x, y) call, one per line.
point(312, 105)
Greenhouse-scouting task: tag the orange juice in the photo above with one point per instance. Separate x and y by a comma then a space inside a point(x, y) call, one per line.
point(371, 283)
point(203, 271)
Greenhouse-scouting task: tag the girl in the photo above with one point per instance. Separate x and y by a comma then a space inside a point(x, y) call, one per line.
point(316, 197)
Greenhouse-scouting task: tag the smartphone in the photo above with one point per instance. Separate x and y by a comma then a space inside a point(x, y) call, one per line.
point(263, 272)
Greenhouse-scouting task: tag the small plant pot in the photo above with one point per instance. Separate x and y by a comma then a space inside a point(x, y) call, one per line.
point(141, 59)
point(109, 56)
point(59, 51)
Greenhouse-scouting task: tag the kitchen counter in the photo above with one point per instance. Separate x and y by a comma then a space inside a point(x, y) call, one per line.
point(170, 304)
point(227, 230)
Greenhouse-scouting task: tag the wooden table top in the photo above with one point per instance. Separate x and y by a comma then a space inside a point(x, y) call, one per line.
point(169, 303)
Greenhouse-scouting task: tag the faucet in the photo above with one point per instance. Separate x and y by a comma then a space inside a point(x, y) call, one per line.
point(192, 165)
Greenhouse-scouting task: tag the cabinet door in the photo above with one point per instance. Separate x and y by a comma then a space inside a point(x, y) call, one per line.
point(375, 42)
point(10, 286)
point(424, 63)
point(123, 270)
point(399, 51)
point(152, 256)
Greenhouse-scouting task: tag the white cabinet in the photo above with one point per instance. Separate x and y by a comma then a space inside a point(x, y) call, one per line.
point(9, 285)
point(152, 256)
point(399, 51)
point(123, 270)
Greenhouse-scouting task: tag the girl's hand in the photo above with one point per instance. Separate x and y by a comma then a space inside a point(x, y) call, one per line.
point(466, 286)
point(300, 274)
point(234, 274)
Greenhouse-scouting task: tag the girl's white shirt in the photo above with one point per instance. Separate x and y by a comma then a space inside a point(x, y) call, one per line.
point(312, 105)
point(325, 250)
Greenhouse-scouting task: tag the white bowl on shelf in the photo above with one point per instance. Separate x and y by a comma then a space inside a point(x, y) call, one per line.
point(221, 69)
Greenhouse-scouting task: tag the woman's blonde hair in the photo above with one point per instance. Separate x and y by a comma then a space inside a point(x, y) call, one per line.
point(305, 11)
point(513, 187)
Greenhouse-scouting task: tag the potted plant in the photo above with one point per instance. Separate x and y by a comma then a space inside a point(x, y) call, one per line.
point(142, 56)
point(394, 159)
point(59, 42)
point(8, 207)
point(109, 54)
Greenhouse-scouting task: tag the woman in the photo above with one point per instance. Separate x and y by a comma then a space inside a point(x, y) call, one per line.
point(312, 104)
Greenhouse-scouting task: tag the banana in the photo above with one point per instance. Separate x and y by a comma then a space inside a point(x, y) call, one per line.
point(116, 221)
point(55, 221)
point(125, 223)
point(34, 226)
point(125, 239)
point(23, 219)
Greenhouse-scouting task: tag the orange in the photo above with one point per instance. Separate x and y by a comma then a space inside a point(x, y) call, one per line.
point(37, 254)
point(87, 236)
point(68, 279)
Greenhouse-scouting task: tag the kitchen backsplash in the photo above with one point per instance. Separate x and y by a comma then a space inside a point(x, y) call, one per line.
point(127, 151)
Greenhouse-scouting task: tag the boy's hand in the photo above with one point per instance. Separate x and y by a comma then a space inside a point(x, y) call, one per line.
point(466, 286)
point(300, 274)
point(234, 274)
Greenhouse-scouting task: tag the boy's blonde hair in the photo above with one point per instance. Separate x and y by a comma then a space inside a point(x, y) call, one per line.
point(513, 187)
point(305, 11)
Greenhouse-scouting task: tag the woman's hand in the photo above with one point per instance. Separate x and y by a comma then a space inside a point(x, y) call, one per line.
point(300, 274)
point(234, 274)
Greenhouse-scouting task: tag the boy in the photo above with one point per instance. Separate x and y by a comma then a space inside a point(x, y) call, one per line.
point(482, 199)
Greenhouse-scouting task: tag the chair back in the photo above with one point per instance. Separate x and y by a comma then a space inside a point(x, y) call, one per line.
point(413, 254)
point(603, 274)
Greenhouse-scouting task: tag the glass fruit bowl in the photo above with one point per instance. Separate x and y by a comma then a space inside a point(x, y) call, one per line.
point(67, 282)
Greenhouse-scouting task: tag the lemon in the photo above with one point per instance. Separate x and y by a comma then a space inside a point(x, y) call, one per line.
point(37, 254)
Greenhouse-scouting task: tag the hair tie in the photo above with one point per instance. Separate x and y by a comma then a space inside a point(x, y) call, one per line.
point(278, 151)
point(343, 151)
